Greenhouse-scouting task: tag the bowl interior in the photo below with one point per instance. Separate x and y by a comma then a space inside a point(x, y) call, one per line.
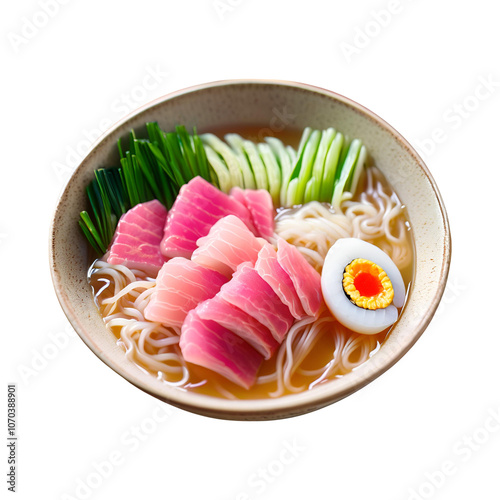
point(269, 108)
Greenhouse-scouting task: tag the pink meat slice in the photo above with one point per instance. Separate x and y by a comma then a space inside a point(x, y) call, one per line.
point(198, 206)
point(136, 242)
point(248, 291)
point(238, 194)
point(208, 344)
point(260, 205)
point(180, 286)
point(277, 278)
point(228, 244)
point(306, 280)
point(240, 323)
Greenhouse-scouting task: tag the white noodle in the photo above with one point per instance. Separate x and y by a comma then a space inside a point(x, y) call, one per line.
point(148, 344)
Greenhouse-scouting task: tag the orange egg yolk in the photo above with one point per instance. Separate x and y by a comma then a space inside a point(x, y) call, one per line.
point(367, 285)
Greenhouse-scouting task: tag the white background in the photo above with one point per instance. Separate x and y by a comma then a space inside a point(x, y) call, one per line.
point(419, 68)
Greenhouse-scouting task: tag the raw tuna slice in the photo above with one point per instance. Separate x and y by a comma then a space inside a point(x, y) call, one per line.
point(260, 206)
point(180, 286)
point(238, 194)
point(240, 323)
point(248, 291)
point(198, 206)
point(277, 278)
point(306, 280)
point(136, 243)
point(208, 344)
point(227, 245)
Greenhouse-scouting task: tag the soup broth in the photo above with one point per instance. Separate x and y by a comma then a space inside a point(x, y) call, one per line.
point(313, 353)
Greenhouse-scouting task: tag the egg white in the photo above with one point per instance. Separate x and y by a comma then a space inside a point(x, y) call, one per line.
point(366, 321)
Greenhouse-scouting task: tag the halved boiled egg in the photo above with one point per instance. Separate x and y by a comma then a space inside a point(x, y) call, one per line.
point(362, 286)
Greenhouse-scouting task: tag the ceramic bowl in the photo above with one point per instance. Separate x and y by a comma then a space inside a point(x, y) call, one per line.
point(269, 107)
